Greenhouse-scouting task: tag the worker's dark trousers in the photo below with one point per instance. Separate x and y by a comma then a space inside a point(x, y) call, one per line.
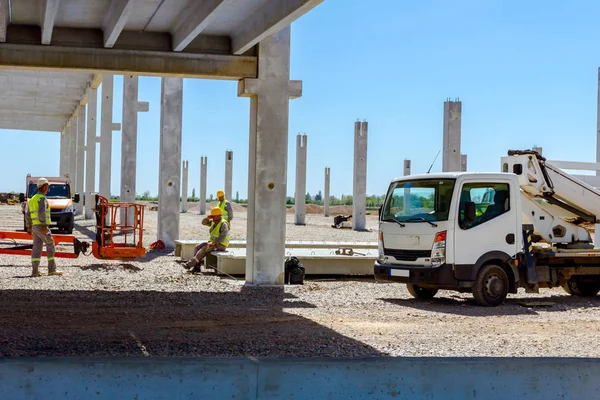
point(39, 240)
point(201, 251)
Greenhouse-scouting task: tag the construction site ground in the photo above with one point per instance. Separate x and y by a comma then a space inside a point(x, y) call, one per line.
point(154, 307)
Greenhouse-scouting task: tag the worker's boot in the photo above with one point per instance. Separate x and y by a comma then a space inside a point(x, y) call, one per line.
point(35, 272)
point(191, 264)
point(52, 269)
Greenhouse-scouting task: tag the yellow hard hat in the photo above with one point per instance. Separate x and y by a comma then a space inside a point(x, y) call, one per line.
point(216, 212)
point(220, 193)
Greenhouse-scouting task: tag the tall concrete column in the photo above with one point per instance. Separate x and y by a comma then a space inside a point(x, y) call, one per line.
point(300, 201)
point(90, 152)
point(184, 186)
point(203, 171)
point(326, 194)
point(169, 190)
point(598, 126)
point(538, 149)
point(131, 107)
point(73, 152)
point(452, 133)
point(359, 192)
point(463, 163)
point(228, 174)
point(64, 152)
point(267, 161)
point(107, 126)
point(407, 171)
point(80, 175)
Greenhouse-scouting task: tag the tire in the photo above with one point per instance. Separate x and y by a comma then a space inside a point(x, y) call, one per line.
point(491, 286)
point(419, 292)
point(579, 287)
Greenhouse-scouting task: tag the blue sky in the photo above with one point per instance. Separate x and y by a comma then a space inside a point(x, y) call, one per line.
point(526, 72)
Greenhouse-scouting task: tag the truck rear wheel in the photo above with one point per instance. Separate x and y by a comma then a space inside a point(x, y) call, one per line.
point(491, 286)
point(419, 292)
point(577, 286)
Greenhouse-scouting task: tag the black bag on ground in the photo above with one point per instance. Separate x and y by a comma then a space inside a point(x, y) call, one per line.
point(293, 271)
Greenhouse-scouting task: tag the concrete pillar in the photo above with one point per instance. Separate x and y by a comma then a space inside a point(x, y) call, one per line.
point(203, 171)
point(463, 163)
point(359, 191)
point(452, 133)
point(64, 152)
point(90, 152)
point(228, 174)
point(80, 174)
point(131, 107)
point(73, 152)
point(171, 100)
point(268, 156)
point(326, 195)
point(300, 200)
point(107, 126)
point(407, 168)
point(538, 149)
point(598, 125)
point(184, 186)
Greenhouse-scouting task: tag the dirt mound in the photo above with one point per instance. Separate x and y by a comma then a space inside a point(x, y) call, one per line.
point(310, 209)
point(340, 210)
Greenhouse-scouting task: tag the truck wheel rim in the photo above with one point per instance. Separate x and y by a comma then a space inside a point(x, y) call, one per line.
point(494, 286)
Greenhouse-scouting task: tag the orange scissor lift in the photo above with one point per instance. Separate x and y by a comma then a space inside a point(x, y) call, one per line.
point(115, 238)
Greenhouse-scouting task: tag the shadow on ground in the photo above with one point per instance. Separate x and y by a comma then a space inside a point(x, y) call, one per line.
point(248, 322)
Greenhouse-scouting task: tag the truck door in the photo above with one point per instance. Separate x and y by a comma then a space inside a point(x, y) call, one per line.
point(494, 228)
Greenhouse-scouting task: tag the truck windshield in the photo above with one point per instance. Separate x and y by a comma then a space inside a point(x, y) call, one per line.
point(418, 200)
point(55, 191)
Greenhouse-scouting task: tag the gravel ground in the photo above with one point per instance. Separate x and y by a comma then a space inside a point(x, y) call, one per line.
point(154, 307)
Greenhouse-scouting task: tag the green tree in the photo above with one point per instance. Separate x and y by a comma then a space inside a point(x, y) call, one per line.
point(319, 197)
point(193, 193)
point(309, 198)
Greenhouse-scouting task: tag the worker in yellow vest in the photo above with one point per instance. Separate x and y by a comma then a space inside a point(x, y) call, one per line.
point(219, 239)
point(38, 222)
point(225, 206)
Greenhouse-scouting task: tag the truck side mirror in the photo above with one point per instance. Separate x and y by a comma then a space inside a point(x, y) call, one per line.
point(76, 198)
point(470, 212)
point(21, 197)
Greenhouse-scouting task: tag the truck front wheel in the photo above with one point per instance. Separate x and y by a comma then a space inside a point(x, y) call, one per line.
point(577, 286)
point(491, 286)
point(419, 292)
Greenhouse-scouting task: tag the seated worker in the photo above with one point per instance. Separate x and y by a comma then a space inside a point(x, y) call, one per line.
point(225, 206)
point(219, 239)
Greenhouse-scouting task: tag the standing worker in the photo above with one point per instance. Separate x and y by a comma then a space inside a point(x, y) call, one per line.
point(38, 221)
point(225, 206)
point(219, 239)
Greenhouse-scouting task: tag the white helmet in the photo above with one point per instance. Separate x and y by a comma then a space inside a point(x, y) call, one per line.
point(41, 182)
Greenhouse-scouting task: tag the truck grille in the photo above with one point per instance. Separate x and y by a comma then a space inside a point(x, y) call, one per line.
point(407, 255)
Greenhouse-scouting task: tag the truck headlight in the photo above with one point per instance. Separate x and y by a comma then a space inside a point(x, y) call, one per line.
point(438, 251)
point(68, 208)
point(381, 257)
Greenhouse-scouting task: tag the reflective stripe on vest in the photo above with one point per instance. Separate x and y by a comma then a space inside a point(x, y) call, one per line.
point(224, 213)
point(215, 232)
point(34, 206)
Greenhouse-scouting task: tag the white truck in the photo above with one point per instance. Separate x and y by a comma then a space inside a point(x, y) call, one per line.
point(491, 233)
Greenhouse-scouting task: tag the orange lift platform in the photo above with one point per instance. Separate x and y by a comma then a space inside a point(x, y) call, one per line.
point(119, 234)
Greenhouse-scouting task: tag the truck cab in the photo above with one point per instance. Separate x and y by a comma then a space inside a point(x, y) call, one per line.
point(60, 199)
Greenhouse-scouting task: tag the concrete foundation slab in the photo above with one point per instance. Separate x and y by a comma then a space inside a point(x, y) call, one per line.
point(359, 191)
point(300, 195)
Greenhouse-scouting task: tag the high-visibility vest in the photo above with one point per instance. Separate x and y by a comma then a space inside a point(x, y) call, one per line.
point(34, 205)
point(215, 232)
point(224, 213)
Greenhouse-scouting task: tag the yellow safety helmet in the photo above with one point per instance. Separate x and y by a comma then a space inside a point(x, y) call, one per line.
point(220, 193)
point(216, 212)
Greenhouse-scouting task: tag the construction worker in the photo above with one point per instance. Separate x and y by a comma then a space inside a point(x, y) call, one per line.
point(219, 239)
point(225, 206)
point(38, 221)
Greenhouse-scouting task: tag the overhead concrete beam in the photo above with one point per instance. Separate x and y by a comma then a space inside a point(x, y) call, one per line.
point(576, 165)
point(52, 123)
point(4, 19)
point(148, 63)
point(268, 20)
point(49, 11)
point(195, 20)
point(115, 20)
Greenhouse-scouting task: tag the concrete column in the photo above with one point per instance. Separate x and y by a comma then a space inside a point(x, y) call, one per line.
point(359, 192)
point(538, 149)
point(131, 107)
point(228, 174)
point(407, 168)
point(107, 126)
point(463, 163)
point(80, 174)
point(73, 151)
point(203, 171)
point(326, 192)
point(184, 186)
point(598, 125)
point(300, 200)
point(452, 133)
point(267, 161)
point(90, 153)
point(171, 100)
point(64, 152)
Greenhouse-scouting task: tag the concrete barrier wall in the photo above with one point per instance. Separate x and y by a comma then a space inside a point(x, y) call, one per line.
point(249, 378)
